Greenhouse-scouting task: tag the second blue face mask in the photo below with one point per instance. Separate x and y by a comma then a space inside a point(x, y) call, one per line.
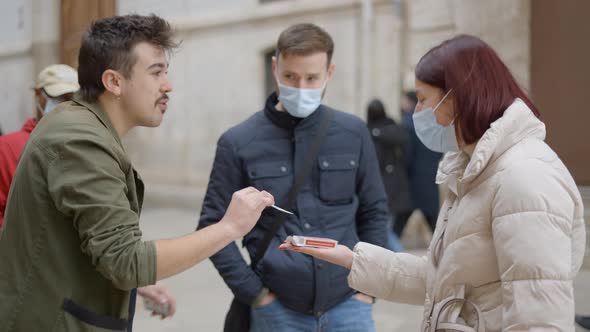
point(50, 104)
point(300, 103)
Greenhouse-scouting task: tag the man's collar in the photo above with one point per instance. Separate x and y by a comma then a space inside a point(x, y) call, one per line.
point(96, 108)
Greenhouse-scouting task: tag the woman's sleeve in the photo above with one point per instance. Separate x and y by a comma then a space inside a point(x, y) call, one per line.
point(397, 277)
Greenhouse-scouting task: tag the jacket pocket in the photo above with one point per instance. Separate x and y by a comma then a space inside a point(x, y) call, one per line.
point(337, 178)
point(78, 318)
point(273, 176)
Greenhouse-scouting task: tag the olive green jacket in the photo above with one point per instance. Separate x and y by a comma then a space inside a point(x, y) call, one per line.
point(71, 248)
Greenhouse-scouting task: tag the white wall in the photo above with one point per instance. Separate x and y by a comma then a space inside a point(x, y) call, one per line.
point(172, 8)
point(504, 24)
point(15, 62)
point(29, 31)
point(46, 32)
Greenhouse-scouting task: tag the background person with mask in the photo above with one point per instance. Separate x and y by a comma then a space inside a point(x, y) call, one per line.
point(55, 84)
point(510, 236)
point(342, 198)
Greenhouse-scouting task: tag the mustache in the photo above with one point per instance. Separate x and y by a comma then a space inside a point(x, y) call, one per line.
point(164, 96)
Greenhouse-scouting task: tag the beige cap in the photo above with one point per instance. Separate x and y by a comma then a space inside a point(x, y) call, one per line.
point(58, 80)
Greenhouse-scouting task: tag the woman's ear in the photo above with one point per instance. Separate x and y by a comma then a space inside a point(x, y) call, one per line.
point(111, 80)
point(450, 99)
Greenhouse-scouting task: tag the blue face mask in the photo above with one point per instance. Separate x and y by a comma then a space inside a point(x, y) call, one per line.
point(300, 103)
point(432, 134)
point(50, 104)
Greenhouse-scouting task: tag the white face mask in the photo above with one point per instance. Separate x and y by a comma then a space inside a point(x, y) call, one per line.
point(432, 134)
point(300, 103)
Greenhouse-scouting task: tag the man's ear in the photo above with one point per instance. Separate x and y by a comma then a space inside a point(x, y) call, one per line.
point(111, 80)
point(274, 65)
point(331, 71)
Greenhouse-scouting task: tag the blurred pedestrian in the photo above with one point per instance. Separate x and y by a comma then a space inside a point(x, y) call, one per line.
point(390, 141)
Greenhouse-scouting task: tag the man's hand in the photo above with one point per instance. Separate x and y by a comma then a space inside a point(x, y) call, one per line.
point(364, 298)
point(268, 299)
point(176, 255)
point(159, 295)
point(244, 210)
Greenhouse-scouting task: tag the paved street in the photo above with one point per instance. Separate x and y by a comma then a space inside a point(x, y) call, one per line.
point(203, 298)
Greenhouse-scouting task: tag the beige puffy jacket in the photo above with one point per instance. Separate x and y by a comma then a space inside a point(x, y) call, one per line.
point(508, 243)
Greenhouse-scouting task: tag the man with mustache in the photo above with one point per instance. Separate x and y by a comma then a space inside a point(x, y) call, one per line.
point(71, 250)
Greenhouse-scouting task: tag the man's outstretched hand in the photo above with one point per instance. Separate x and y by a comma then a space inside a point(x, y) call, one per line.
point(244, 210)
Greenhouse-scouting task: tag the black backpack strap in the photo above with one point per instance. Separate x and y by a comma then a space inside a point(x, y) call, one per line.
point(308, 163)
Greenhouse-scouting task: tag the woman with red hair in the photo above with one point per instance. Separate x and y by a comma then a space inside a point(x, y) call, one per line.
point(510, 235)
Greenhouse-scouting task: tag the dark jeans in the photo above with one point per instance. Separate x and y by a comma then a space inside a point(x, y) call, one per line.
point(401, 219)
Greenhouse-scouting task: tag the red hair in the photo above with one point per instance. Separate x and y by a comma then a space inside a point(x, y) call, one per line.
point(483, 87)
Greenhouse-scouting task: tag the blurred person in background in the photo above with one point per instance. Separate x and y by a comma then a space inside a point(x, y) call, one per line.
point(583, 321)
point(390, 141)
point(54, 85)
point(510, 238)
point(421, 164)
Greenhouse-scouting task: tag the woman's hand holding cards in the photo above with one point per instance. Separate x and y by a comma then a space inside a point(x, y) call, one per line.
point(339, 255)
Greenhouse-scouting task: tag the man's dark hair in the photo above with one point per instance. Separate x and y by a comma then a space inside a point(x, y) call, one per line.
point(109, 43)
point(305, 39)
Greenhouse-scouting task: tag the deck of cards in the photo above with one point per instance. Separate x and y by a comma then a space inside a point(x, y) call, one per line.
point(315, 242)
point(162, 309)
